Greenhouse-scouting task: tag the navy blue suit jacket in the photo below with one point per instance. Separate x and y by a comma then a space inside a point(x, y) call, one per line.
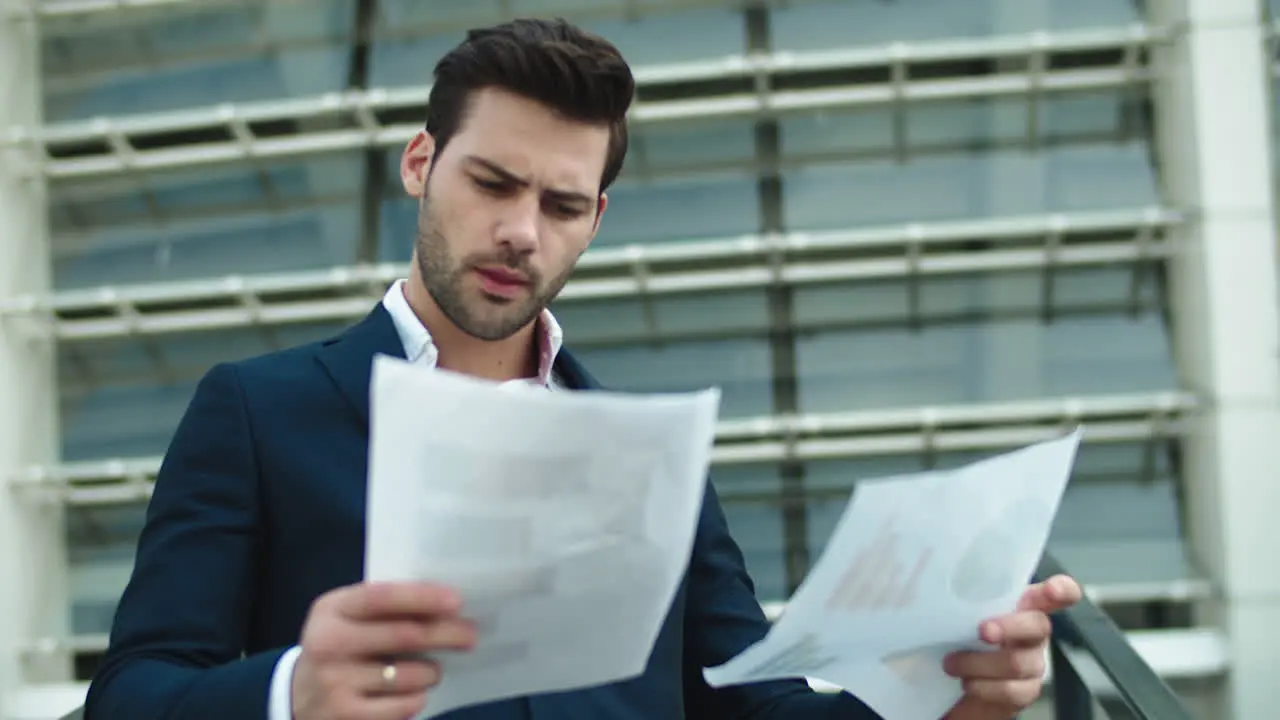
point(259, 508)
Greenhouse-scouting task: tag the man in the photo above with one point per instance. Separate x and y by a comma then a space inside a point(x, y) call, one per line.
point(246, 600)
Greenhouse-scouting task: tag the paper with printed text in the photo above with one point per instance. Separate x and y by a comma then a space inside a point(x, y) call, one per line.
point(913, 567)
point(565, 520)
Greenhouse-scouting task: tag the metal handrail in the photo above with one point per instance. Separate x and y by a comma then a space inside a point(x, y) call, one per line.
point(1087, 628)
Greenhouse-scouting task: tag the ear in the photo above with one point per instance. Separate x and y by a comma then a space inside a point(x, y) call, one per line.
point(600, 208)
point(415, 163)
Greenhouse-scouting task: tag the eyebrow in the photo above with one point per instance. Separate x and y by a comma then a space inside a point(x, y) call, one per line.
point(564, 196)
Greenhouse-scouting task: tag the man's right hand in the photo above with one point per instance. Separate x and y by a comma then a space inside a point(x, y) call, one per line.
point(353, 634)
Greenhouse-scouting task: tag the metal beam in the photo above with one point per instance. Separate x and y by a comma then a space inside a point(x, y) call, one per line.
point(1215, 131)
point(33, 562)
point(746, 86)
point(1045, 242)
point(782, 320)
point(769, 439)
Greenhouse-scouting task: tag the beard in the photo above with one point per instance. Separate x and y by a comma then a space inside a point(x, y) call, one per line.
point(479, 315)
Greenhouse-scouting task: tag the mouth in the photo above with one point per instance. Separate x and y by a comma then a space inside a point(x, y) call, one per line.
point(501, 282)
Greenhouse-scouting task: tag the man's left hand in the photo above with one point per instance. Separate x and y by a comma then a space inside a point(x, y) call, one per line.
point(1004, 681)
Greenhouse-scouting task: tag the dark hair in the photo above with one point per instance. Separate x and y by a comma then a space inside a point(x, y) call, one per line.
point(578, 74)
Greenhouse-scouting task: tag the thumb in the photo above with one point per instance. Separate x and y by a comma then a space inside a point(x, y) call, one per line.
point(1057, 593)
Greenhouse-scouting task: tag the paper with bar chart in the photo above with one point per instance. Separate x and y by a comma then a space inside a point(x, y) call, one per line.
point(914, 566)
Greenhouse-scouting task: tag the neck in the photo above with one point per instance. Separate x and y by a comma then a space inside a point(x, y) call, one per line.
point(499, 360)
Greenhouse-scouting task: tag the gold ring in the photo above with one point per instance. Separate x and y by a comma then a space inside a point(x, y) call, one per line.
point(389, 675)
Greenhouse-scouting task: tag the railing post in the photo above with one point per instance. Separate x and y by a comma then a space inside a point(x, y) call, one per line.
point(33, 597)
point(1072, 699)
point(1213, 99)
point(1089, 630)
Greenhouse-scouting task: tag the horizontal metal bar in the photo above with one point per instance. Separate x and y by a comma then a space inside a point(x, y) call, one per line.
point(150, 224)
point(698, 266)
point(91, 17)
point(1115, 418)
point(907, 443)
point(81, 381)
point(121, 138)
point(55, 9)
point(1137, 683)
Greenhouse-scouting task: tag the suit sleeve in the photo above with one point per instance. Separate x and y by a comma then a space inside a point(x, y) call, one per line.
point(723, 618)
point(177, 643)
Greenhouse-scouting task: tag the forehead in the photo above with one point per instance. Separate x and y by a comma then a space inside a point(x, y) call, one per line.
point(531, 140)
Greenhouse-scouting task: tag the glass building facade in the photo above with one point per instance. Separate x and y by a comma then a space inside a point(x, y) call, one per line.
point(898, 235)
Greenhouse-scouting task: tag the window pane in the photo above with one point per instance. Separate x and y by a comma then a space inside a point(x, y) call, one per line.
point(971, 362)
point(208, 56)
point(124, 398)
point(100, 546)
point(626, 321)
point(292, 215)
point(708, 206)
point(963, 186)
point(740, 368)
point(963, 124)
point(755, 526)
point(840, 23)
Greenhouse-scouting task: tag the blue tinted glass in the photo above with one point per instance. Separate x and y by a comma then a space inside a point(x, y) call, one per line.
point(959, 125)
point(995, 360)
point(962, 186)
point(756, 525)
point(675, 36)
point(124, 421)
point(843, 23)
point(678, 210)
point(100, 546)
point(741, 368)
point(663, 320)
point(302, 240)
point(213, 55)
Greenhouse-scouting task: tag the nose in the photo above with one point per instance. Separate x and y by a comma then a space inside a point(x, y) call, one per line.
point(518, 225)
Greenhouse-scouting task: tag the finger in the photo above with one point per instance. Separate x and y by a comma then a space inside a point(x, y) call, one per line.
point(406, 677)
point(1057, 593)
point(1019, 629)
point(371, 601)
point(974, 709)
point(1026, 664)
point(1010, 696)
point(385, 707)
point(404, 637)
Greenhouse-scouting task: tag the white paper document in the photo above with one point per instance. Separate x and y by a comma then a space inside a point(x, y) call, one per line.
point(565, 520)
point(914, 566)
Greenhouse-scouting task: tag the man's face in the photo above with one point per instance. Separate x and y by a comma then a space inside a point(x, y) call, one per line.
point(505, 210)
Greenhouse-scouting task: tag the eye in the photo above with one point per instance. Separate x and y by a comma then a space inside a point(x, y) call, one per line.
point(564, 212)
point(491, 186)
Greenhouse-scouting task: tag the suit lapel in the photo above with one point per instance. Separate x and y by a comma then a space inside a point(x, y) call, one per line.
point(348, 358)
point(573, 374)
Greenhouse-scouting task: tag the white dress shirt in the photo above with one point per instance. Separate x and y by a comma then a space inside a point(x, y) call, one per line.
point(420, 349)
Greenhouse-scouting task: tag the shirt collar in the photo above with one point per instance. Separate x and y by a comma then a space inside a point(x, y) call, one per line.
point(420, 348)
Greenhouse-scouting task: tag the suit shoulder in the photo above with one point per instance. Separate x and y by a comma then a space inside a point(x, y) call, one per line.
point(288, 363)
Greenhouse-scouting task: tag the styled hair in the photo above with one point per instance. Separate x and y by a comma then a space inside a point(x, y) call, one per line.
point(579, 75)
